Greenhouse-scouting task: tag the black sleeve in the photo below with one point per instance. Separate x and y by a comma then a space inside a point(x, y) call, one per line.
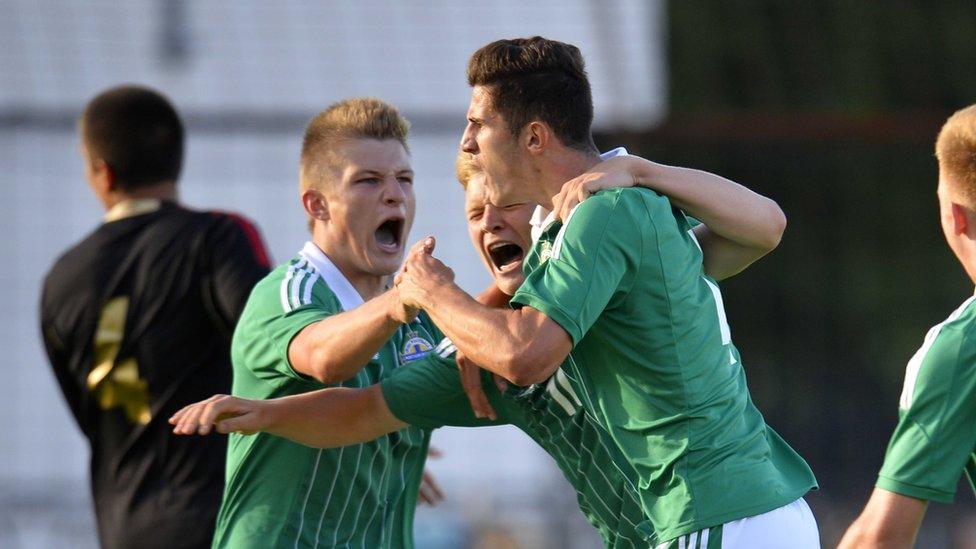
point(238, 260)
point(58, 356)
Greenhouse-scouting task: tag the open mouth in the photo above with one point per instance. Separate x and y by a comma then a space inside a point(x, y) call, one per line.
point(389, 234)
point(505, 255)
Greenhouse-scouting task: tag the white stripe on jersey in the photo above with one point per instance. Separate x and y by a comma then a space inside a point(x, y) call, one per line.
point(301, 516)
point(915, 364)
point(328, 498)
point(307, 295)
point(557, 245)
point(558, 396)
point(296, 285)
point(563, 382)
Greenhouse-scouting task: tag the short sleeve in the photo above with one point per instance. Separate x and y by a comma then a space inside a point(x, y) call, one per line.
point(936, 433)
point(589, 262)
point(271, 321)
point(427, 393)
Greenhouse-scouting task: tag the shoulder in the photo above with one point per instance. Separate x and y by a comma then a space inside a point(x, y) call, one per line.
point(291, 286)
point(946, 358)
point(71, 265)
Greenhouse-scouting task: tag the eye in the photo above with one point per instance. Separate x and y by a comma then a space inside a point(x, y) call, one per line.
point(405, 179)
point(475, 214)
point(368, 180)
point(511, 207)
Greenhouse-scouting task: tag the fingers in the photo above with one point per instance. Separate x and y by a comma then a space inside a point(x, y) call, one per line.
point(471, 381)
point(430, 492)
point(570, 197)
point(423, 246)
point(500, 382)
point(187, 419)
point(434, 453)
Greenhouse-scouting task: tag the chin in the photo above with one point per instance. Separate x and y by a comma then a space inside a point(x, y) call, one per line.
point(509, 283)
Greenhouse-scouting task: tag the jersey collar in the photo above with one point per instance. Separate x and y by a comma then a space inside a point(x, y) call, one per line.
point(542, 218)
point(348, 297)
point(132, 207)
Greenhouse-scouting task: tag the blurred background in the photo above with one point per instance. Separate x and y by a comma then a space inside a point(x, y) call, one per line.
point(829, 107)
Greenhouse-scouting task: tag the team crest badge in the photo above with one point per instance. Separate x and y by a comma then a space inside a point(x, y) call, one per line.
point(545, 251)
point(415, 347)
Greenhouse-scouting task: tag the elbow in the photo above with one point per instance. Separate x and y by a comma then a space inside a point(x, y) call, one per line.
point(325, 371)
point(777, 226)
point(523, 369)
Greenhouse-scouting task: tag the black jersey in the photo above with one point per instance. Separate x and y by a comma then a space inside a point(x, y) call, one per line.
point(137, 320)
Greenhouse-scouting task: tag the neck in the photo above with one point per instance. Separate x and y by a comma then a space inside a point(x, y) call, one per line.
point(558, 168)
point(159, 191)
point(368, 285)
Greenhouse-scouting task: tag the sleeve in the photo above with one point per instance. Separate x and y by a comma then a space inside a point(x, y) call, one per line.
point(428, 393)
point(268, 326)
point(590, 261)
point(238, 260)
point(936, 433)
point(58, 355)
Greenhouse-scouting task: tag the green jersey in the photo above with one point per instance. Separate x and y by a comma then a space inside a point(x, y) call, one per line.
point(429, 394)
point(654, 363)
point(935, 439)
point(282, 494)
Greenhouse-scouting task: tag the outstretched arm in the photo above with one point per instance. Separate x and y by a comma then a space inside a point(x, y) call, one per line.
point(889, 520)
point(326, 418)
point(739, 225)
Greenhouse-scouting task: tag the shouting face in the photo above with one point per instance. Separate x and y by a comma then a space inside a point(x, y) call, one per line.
point(501, 235)
point(368, 206)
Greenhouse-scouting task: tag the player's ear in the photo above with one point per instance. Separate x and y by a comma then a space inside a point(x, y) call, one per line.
point(962, 220)
point(536, 137)
point(315, 204)
point(108, 176)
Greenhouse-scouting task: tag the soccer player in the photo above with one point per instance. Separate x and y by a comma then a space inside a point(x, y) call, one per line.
point(618, 290)
point(934, 442)
point(137, 320)
point(429, 393)
point(325, 318)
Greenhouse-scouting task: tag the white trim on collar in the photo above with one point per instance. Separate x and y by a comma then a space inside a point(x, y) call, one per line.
point(348, 297)
point(132, 207)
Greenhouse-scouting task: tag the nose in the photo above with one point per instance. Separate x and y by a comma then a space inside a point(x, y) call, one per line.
point(468, 142)
point(491, 219)
point(394, 193)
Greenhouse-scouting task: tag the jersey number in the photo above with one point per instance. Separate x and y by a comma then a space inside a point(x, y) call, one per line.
point(114, 383)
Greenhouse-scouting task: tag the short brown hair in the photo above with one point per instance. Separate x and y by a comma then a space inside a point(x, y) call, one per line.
point(466, 167)
point(537, 79)
point(356, 118)
point(137, 133)
point(956, 150)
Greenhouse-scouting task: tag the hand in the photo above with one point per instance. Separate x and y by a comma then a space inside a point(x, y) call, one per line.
point(422, 274)
point(430, 493)
point(608, 174)
point(399, 311)
point(229, 414)
point(471, 381)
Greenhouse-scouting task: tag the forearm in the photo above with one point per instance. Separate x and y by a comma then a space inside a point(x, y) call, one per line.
point(332, 417)
point(336, 348)
point(503, 341)
point(727, 208)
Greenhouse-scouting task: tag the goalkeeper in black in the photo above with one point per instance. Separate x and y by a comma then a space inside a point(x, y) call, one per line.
point(137, 320)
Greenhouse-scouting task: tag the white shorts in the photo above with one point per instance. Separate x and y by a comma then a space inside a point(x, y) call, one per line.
point(791, 526)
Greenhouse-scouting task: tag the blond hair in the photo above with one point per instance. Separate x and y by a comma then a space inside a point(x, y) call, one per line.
point(956, 150)
point(356, 118)
point(465, 168)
